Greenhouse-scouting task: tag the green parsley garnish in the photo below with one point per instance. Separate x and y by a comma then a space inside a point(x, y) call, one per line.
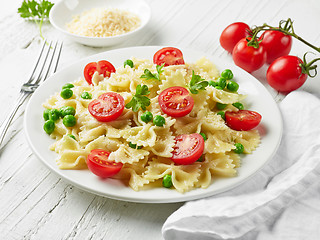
point(139, 100)
point(148, 75)
point(197, 83)
point(37, 11)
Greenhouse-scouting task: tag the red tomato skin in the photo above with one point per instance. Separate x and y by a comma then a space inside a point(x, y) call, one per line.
point(113, 101)
point(242, 120)
point(180, 94)
point(232, 34)
point(247, 57)
point(168, 56)
point(285, 74)
point(97, 162)
point(277, 44)
point(102, 67)
point(193, 151)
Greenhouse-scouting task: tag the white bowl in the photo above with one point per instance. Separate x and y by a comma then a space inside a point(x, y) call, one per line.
point(64, 10)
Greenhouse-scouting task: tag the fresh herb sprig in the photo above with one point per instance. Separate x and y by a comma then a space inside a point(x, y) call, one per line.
point(148, 75)
point(37, 11)
point(139, 100)
point(197, 83)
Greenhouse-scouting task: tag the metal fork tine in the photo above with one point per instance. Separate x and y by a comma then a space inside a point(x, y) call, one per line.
point(57, 61)
point(43, 65)
point(52, 57)
point(35, 67)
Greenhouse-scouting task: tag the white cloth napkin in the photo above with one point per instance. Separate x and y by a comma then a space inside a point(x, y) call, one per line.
point(282, 201)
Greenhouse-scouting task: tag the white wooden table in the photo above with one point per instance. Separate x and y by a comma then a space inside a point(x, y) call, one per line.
point(37, 204)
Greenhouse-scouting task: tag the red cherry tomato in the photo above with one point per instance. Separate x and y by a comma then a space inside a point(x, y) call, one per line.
point(107, 107)
point(242, 120)
point(232, 34)
point(285, 74)
point(277, 44)
point(102, 67)
point(175, 101)
point(98, 163)
point(188, 148)
point(168, 56)
point(248, 57)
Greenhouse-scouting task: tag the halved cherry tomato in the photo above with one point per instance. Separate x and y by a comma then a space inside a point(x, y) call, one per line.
point(232, 34)
point(98, 163)
point(277, 44)
point(188, 148)
point(175, 101)
point(102, 67)
point(107, 107)
point(168, 56)
point(242, 120)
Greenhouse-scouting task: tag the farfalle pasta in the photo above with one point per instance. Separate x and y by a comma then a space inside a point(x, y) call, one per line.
point(144, 149)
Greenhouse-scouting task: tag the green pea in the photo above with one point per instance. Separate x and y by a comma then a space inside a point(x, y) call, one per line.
point(129, 63)
point(212, 83)
point(54, 114)
point(49, 126)
point(66, 93)
point(69, 121)
point(146, 116)
point(72, 136)
point(86, 95)
point(232, 86)
point(67, 110)
point(227, 74)
point(134, 146)
point(159, 121)
point(67, 85)
point(222, 114)
point(218, 87)
point(221, 106)
point(222, 82)
point(167, 181)
point(204, 136)
point(239, 148)
point(46, 114)
point(238, 105)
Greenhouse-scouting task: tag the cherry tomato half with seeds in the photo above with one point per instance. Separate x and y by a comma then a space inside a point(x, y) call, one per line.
point(276, 43)
point(168, 56)
point(176, 101)
point(247, 57)
point(107, 107)
point(188, 148)
point(102, 67)
point(285, 74)
point(242, 120)
point(98, 163)
point(232, 34)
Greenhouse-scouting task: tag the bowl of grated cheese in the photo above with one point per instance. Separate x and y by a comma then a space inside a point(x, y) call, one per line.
point(100, 23)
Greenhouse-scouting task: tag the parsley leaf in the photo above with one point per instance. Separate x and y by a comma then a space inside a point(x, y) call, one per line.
point(37, 11)
point(139, 100)
point(148, 75)
point(197, 83)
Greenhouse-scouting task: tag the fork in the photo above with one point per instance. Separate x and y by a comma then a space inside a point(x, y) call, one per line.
point(49, 57)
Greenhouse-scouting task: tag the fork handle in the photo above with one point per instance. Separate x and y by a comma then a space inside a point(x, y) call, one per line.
point(6, 123)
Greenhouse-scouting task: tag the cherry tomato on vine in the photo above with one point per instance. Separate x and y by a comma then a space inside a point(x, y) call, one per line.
point(232, 34)
point(242, 120)
point(188, 148)
point(107, 107)
point(285, 74)
point(102, 67)
point(276, 43)
point(98, 163)
point(168, 56)
point(247, 57)
point(176, 101)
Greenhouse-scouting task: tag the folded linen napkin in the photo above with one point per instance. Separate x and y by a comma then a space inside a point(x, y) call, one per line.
point(257, 205)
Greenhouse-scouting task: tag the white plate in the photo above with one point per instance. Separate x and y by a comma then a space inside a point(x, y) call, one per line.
point(63, 11)
point(258, 99)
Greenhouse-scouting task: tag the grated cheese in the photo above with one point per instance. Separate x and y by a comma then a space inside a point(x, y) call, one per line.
point(99, 22)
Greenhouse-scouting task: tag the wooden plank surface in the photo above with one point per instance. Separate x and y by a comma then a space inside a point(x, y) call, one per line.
point(37, 204)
